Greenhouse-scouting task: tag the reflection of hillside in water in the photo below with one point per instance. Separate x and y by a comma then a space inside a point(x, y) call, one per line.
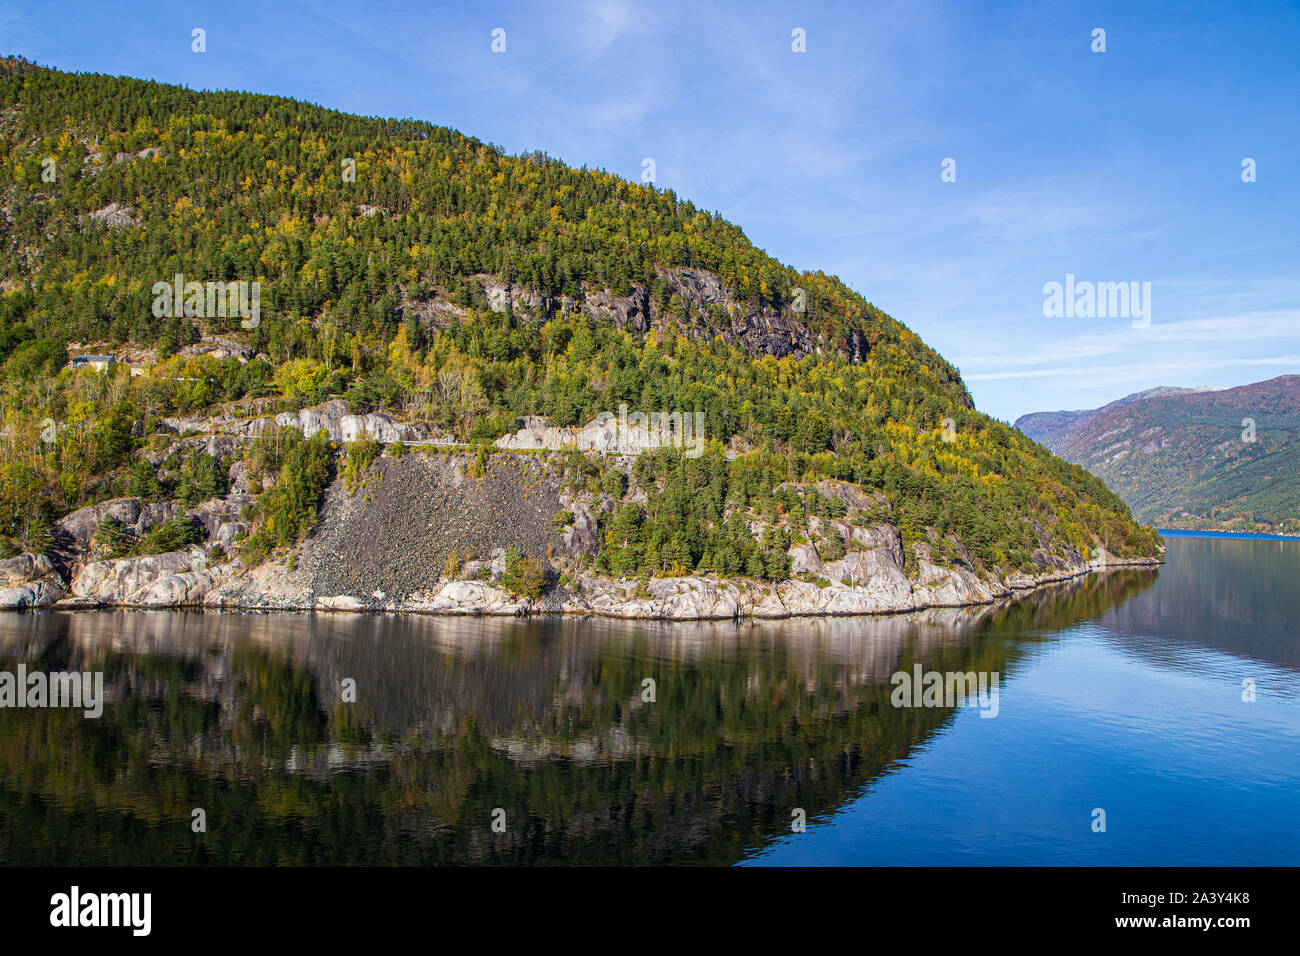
point(240, 714)
point(1217, 595)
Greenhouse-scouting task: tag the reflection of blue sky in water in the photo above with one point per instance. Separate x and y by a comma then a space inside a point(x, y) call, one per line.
point(1149, 726)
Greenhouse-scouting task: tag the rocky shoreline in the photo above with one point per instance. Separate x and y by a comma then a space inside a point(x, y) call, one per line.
point(180, 580)
point(432, 533)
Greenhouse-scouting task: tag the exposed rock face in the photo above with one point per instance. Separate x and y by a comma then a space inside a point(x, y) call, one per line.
point(114, 215)
point(145, 153)
point(758, 331)
point(216, 446)
point(612, 433)
point(629, 311)
point(40, 594)
point(220, 521)
point(333, 417)
point(175, 579)
point(698, 306)
point(341, 602)
point(74, 532)
point(953, 587)
point(24, 568)
point(710, 598)
point(31, 581)
point(805, 560)
point(711, 312)
point(581, 538)
point(219, 347)
point(876, 571)
point(474, 597)
point(682, 598)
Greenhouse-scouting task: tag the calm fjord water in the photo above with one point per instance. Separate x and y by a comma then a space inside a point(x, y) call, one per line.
point(1121, 692)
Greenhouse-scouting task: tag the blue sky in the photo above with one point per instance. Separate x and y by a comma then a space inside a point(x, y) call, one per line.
point(1122, 166)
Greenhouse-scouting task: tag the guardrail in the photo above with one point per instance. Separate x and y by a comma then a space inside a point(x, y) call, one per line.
point(447, 443)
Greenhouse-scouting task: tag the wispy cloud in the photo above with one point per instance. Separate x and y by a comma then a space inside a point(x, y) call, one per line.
point(608, 20)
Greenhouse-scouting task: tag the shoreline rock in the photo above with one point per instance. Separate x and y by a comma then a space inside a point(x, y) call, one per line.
point(30, 581)
point(422, 534)
point(179, 580)
point(174, 579)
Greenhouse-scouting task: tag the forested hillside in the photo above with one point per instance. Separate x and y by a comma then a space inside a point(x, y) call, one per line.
point(409, 269)
point(1042, 427)
point(1208, 459)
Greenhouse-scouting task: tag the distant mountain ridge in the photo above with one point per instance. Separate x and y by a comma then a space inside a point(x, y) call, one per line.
point(1040, 425)
point(1195, 458)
